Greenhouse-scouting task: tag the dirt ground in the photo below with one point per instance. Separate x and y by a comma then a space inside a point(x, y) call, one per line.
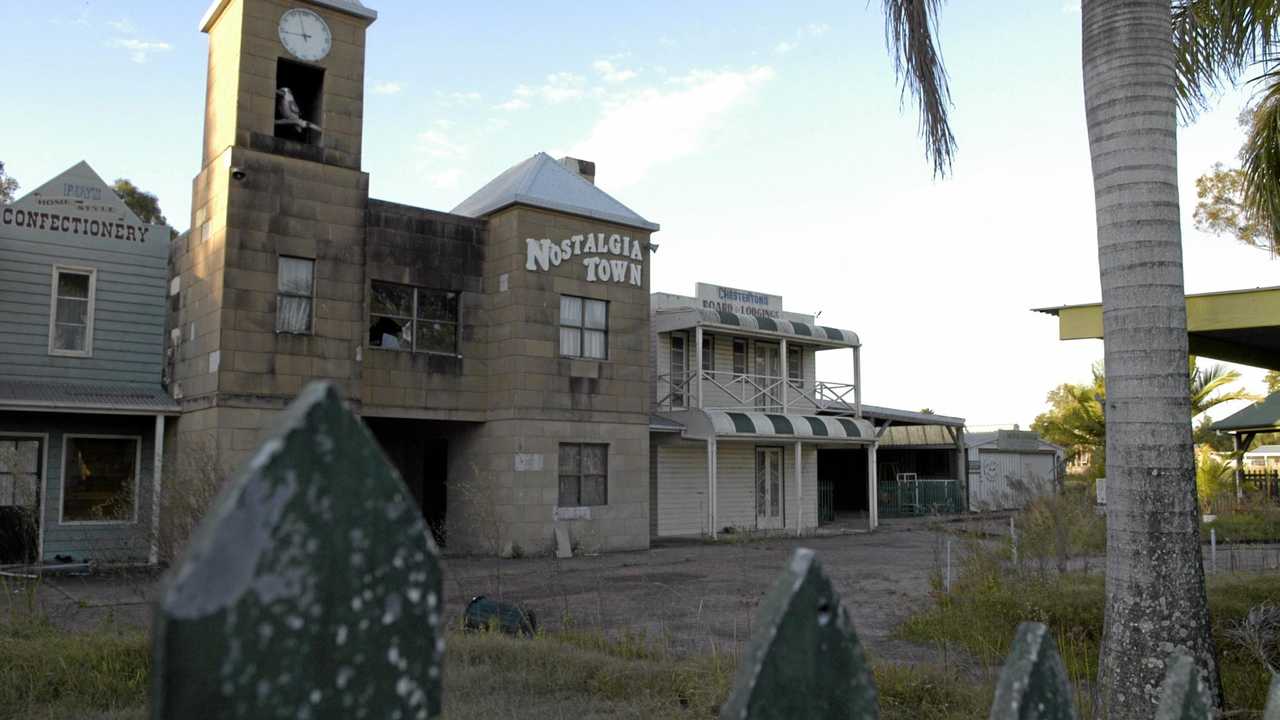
point(691, 595)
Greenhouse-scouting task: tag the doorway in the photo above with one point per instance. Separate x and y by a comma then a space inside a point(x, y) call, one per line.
point(842, 485)
point(768, 367)
point(770, 489)
point(419, 450)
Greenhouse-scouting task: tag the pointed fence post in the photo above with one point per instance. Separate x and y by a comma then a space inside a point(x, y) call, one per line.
point(310, 590)
point(804, 659)
point(1033, 682)
point(1183, 694)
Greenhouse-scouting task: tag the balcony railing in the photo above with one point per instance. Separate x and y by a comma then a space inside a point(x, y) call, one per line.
point(724, 390)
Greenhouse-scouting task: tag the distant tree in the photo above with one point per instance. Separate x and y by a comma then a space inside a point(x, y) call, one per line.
point(1272, 379)
point(143, 204)
point(927, 411)
point(8, 187)
point(1203, 436)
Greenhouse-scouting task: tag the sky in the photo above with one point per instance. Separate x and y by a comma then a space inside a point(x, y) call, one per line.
point(769, 140)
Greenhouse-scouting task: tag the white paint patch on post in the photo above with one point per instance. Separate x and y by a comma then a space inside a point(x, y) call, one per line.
point(157, 469)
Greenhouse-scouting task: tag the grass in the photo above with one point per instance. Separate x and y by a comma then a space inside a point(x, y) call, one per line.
point(986, 604)
point(1257, 523)
point(104, 674)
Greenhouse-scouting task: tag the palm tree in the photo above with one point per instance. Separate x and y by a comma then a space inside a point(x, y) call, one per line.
point(1205, 381)
point(1134, 80)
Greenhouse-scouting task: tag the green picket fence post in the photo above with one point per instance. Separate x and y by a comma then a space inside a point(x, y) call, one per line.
point(1033, 682)
point(1183, 693)
point(804, 659)
point(312, 588)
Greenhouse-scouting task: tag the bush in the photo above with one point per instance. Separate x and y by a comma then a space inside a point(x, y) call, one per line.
point(1061, 527)
point(1257, 521)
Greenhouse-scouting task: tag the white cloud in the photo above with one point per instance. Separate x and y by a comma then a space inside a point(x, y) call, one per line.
point(140, 50)
point(642, 129)
point(562, 86)
point(445, 179)
point(387, 88)
point(123, 25)
point(611, 73)
point(814, 30)
point(783, 48)
point(437, 143)
point(513, 104)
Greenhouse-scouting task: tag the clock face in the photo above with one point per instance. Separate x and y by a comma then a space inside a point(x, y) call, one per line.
point(305, 34)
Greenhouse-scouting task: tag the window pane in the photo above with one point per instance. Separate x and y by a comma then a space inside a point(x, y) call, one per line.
point(570, 459)
point(388, 299)
point(570, 310)
point(73, 285)
point(739, 357)
point(709, 352)
point(68, 337)
point(597, 314)
point(570, 342)
point(594, 344)
point(26, 490)
point(437, 305)
point(436, 336)
point(390, 333)
point(295, 275)
point(594, 490)
point(568, 491)
point(293, 314)
point(6, 490)
point(99, 478)
point(595, 459)
point(73, 312)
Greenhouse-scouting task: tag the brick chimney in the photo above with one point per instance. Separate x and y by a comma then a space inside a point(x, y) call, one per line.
point(584, 168)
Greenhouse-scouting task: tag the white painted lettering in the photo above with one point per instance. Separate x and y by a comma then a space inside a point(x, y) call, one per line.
point(539, 252)
point(591, 264)
point(615, 244)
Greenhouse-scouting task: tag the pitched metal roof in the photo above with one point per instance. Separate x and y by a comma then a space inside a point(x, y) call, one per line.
point(72, 397)
point(680, 318)
point(909, 417)
point(350, 7)
point(657, 423)
point(1264, 415)
point(543, 182)
point(1264, 450)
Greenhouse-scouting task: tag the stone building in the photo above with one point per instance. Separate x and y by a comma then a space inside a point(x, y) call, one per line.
point(499, 353)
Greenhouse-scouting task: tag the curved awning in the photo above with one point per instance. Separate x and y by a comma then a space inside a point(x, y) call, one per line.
point(682, 318)
point(792, 427)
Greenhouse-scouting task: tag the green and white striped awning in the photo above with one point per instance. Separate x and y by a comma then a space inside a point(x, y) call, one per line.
point(719, 320)
point(797, 427)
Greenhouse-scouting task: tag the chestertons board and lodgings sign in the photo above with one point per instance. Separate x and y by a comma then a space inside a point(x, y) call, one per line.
point(738, 301)
point(606, 257)
point(78, 208)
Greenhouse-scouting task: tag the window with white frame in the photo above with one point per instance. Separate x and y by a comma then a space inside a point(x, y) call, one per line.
point(739, 356)
point(679, 367)
point(71, 312)
point(795, 366)
point(708, 352)
point(584, 327)
point(584, 474)
point(100, 479)
point(295, 293)
point(19, 472)
point(413, 319)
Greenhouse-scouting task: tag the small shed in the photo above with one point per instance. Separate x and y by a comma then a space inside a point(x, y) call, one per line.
point(1265, 457)
point(1009, 468)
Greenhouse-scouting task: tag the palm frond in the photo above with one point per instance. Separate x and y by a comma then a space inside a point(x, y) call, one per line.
point(910, 30)
point(1260, 160)
point(1215, 41)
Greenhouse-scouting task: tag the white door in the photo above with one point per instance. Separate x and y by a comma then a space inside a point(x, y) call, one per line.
point(770, 489)
point(768, 373)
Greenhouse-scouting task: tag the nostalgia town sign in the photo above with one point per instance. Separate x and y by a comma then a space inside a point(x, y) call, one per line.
point(542, 255)
point(741, 302)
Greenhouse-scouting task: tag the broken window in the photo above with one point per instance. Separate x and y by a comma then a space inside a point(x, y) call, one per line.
point(19, 472)
point(100, 479)
point(403, 317)
point(295, 290)
point(298, 99)
point(584, 474)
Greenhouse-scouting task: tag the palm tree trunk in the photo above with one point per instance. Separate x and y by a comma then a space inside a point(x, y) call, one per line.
point(1155, 578)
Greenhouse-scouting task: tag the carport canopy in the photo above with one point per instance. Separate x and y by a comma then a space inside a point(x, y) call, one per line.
point(1239, 326)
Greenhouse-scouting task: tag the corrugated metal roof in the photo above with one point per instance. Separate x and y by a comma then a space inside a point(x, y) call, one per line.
point(543, 182)
point(1264, 450)
point(1264, 415)
point(912, 435)
point(909, 417)
point(142, 399)
point(661, 424)
point(678, 319)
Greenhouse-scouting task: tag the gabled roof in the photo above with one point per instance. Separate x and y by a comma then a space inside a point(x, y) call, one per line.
point(1262, 416)
point(99, 194)
point(543, 182)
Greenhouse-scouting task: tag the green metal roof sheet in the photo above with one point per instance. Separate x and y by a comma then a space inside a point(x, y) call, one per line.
point(1264, 415)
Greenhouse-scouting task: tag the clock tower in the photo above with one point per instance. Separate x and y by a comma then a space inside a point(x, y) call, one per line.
point(268, 285)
